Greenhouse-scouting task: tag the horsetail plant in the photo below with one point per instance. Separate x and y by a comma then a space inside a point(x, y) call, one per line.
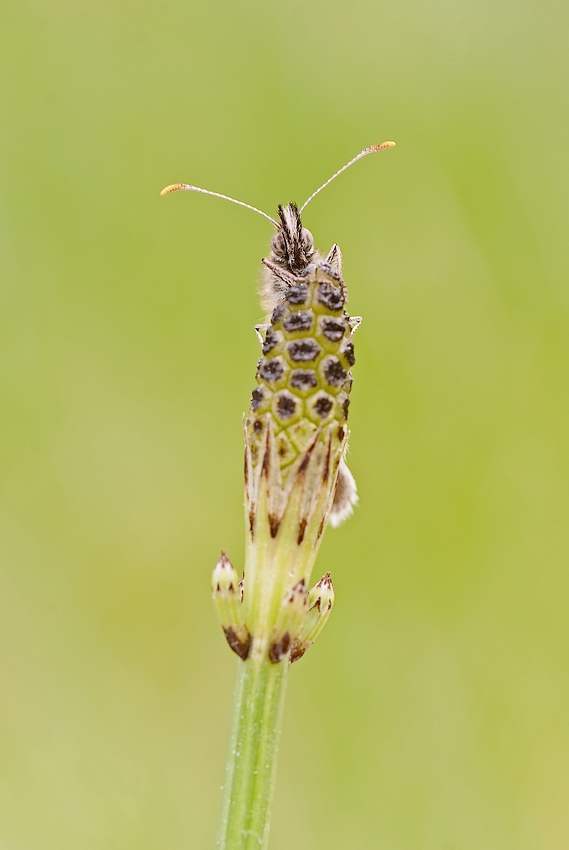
point(296, 481)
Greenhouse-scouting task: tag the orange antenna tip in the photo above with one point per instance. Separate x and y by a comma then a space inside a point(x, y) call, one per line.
point(173, 187)
point(381, 147)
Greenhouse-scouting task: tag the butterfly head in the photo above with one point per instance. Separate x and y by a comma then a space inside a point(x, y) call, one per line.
point(292, 246)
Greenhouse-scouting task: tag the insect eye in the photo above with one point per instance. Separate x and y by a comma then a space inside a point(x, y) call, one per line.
point(307, 239)
point(278, 244)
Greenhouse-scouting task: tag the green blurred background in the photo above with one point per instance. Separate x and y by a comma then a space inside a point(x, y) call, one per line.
point(433, 713)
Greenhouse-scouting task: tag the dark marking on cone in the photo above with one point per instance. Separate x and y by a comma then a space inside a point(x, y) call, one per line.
point(300, 321)
point(257, 397)
point(278, 313)
point(349, 353)
point(333, 329)
point(286, 406)
point(271, 370)
point(301, 530)
point(303, 350)
point(303, 379)
point(331, 296)
point(270, 341)
point(334, 372)
point(297, 295)
point(323, 406)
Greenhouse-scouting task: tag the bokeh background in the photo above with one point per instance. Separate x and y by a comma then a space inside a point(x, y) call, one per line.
point(433, 712)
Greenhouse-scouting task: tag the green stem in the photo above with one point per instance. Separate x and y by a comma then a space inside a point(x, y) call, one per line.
point(251, 761)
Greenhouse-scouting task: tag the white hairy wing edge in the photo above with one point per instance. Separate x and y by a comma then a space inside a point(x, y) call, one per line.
point(345, 497)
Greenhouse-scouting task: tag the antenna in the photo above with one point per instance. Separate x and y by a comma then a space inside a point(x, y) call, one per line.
point(177, 187)
point(372, 149)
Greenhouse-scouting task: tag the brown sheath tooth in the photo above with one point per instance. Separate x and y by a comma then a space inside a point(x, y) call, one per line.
point(266, 460)
point(307, 455)
point(278, 649)
point(240, 647)
point(274, 525)
point(301, 530)
point(326, 471)
point(298, 649)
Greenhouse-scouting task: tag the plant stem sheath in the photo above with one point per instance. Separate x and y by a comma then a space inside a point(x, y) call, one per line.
point(251, 761)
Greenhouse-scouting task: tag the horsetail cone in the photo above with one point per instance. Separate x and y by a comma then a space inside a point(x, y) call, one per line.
point(296, 436)
point(296, 431)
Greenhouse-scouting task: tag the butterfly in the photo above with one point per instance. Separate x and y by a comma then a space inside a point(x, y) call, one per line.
point(294, 257)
